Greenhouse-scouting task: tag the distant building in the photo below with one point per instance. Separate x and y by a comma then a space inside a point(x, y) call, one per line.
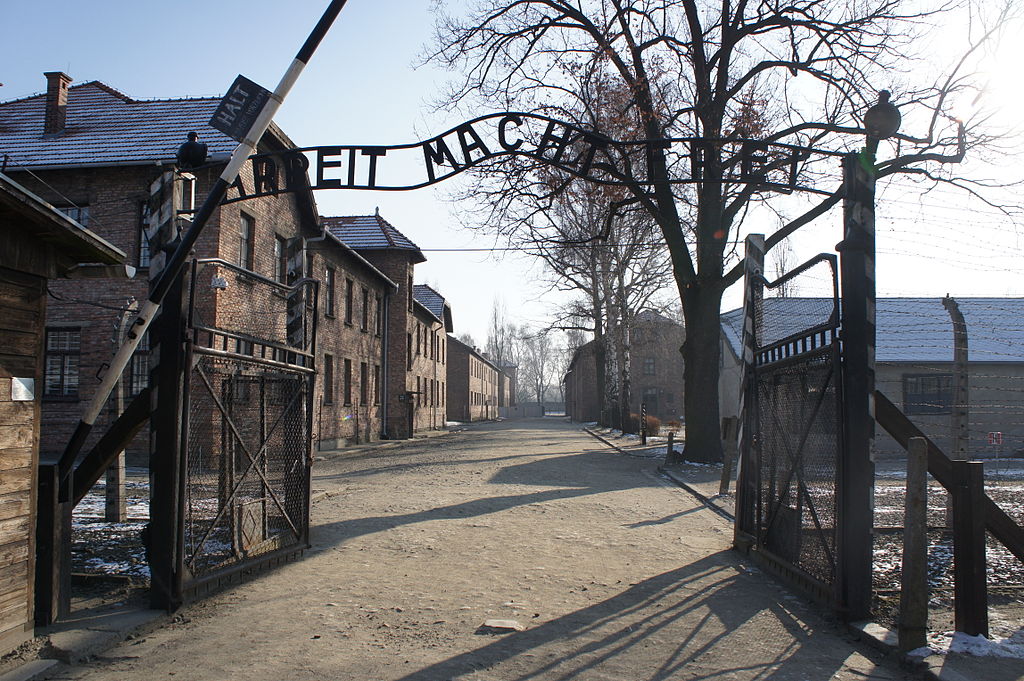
point(415, 366)
point(472, 384)
point(914, 365)
point(656, 372)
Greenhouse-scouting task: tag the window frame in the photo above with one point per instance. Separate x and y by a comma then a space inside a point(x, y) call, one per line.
point(69, 376)
point(328, 388)
point(280, 259)
point(330, 299)
point(917, 402)
point(347, 389)
point(349, 300)
point(246, 240)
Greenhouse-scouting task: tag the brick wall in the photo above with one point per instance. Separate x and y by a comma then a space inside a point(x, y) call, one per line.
point(114, 197)
point(357, 417)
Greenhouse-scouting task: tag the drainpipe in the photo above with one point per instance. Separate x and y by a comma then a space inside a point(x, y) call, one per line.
point(385, 346)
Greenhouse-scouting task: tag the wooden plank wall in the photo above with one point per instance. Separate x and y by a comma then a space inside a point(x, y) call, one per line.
point(22, 330)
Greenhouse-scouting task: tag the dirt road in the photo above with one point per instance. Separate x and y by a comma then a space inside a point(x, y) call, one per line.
point(612, 574)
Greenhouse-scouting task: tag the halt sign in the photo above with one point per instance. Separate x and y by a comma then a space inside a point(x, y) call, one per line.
point(239, 108)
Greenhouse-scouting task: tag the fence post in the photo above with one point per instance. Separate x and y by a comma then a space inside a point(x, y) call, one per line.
point(856, 465)
point(746, 479)
point(970, 608)
point(167, 385)
point(730, 428)
point(959, 425)
point(913, 619)
point(643, 423)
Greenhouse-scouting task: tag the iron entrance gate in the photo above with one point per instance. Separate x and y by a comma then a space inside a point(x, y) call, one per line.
point(247, 431)
point(791, 473)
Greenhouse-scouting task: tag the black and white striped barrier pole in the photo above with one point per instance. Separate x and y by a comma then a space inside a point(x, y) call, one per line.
point(245, 113)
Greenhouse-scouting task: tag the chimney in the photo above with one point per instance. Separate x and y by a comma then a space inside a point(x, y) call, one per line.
point(56, 101)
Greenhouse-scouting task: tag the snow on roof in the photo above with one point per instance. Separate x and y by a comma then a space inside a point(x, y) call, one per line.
point(105, 127)
point(370, 232)
point(908, 329)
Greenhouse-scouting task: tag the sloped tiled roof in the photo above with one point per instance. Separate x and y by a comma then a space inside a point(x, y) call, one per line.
point(908, 329)
point(434, 303)
point(369, 233)
point(430, 299)
point(105, 127)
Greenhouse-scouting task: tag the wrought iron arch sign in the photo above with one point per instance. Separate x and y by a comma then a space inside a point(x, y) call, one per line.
point(568, 147)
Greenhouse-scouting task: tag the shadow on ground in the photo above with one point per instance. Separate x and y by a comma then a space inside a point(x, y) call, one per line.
point(700, 621)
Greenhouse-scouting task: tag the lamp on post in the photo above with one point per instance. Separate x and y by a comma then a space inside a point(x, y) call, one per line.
point(857, 265)
point(881, 122)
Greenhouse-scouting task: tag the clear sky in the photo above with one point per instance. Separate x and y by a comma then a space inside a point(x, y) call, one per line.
point(361, 88)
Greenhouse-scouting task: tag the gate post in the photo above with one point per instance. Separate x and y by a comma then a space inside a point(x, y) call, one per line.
point(856, 466)
point(746, 477)
point(167, 335)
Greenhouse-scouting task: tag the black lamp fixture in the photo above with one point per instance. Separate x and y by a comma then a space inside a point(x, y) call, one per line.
point(881, 121)
point(192, 153)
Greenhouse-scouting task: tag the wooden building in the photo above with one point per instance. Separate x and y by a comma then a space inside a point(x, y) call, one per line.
point(38, 244)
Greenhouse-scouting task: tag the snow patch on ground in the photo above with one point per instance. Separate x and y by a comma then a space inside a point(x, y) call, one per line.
point(978, 646)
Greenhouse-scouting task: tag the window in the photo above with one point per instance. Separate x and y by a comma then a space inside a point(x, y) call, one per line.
point(410, 294)
point(329, 292)
point(280, 259)
point(364, 383)
point(419, 392)
point(63, 349)
point(347, 394)
point(328, 379)
point(419, 343)
point(376, 384)
point(246, 234)
point(348, 301)
point(378, 320)
point(138, 368)
point(144, 254)
point(365, 319)
point(648, 366)
point(928, 393)
point(408, 350)
point(79, 214)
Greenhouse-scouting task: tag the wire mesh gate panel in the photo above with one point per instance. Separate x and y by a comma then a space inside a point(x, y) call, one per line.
point(794, 396)
point(248, 421)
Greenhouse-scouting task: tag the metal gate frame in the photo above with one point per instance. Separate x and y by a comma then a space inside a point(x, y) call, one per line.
point(772, 516)
point(291, 359)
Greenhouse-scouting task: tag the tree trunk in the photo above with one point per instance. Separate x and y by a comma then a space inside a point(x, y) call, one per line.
point(701, 353)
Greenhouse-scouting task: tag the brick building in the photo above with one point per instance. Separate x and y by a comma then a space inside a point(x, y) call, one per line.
point(914, 365)
point(39, 245)
point(354, 299)
point(472, 384)
point(94, 152)
point(416, 327)
point(656, 377)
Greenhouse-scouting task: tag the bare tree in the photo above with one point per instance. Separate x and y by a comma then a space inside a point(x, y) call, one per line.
point(783, 261)
point(501, 343)
point(538, 363)
point(802, 72)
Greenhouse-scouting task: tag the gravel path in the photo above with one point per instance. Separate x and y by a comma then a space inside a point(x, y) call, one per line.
point(610, 572)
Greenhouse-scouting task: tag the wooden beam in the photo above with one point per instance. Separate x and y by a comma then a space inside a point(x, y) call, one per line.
point(895, 422)
point(117, 437)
